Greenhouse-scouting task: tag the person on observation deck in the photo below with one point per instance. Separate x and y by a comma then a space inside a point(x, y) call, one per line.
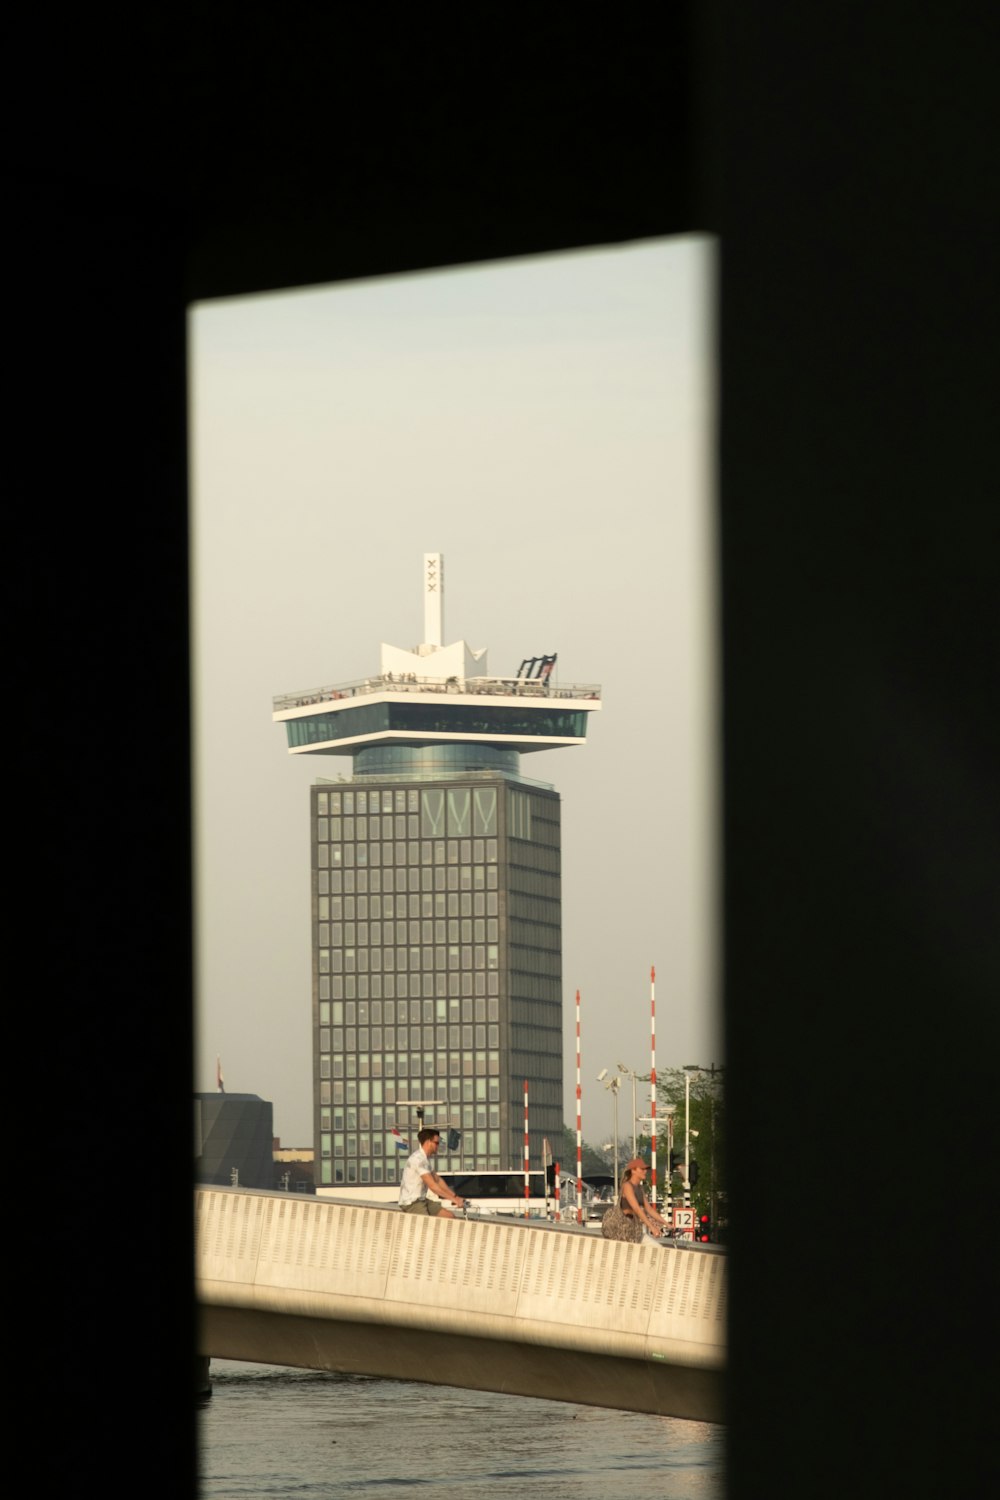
point(419, 1178)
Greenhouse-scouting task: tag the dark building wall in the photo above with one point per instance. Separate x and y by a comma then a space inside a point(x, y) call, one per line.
point(852, 171)
point(236, 1133)
point(299, 1174)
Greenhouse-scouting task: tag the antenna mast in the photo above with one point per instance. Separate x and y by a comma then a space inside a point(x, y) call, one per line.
point(433, 599)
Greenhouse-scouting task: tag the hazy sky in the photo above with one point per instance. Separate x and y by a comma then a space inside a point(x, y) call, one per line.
point(545, 424)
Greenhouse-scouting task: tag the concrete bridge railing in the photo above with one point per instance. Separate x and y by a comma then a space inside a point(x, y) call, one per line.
point(540, 1310)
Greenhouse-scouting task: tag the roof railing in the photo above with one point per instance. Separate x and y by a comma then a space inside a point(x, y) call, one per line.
point(395, 682)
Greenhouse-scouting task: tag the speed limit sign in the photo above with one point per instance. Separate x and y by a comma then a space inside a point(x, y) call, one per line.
point(683, 1223)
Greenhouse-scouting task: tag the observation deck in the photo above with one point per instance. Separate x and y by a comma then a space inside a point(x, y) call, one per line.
point(505, 713)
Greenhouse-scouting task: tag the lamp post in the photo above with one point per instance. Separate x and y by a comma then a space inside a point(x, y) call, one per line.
point(670, 1111)
point(689, 1068)
point(666, 1120)
point(711, 1190)
point(419, 1105)
point(629, 1072)
point(614, 1084)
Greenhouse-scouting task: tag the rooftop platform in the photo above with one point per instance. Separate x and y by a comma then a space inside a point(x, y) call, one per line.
point(508, 713)
point(287, 704)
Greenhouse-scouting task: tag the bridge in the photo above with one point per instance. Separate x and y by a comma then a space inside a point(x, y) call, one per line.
point(532, 1308)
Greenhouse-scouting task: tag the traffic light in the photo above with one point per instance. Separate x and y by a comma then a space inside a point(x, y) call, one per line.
point(692, 1172)
point(703, 1229)
point(676, 1161)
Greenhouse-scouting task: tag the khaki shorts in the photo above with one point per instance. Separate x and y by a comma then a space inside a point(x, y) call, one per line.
point(423, 1206)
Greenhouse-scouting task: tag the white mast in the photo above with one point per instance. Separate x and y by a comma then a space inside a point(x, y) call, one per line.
point(432, 660)
point(433, 599)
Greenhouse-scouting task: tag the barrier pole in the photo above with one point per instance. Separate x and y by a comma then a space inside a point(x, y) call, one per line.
point(526, 1205)
point(545, 1172)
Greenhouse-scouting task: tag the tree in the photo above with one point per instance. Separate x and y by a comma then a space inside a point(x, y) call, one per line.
point(564, 1150)
point(707, 1124)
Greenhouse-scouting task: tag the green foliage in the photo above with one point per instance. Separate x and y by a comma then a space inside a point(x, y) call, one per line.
point(707, 1117)
point(564, 1150)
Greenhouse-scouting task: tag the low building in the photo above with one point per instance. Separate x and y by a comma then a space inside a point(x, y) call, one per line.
point(293, 1168)
point(233, 1140)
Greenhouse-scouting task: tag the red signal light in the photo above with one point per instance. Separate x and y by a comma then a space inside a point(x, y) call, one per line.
point(704, 1229)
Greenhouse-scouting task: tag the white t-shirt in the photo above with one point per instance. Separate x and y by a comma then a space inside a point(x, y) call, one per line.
point(413, 1186)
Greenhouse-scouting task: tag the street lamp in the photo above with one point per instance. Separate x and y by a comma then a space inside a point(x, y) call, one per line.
point(614, 1084)
point(670, 1110)
point(689, 1068)
point(629, 1073)
point(665, 1120)
point(419, 1105)
point(697, 1068)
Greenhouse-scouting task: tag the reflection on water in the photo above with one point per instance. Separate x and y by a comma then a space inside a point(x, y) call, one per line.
point(274, 1432)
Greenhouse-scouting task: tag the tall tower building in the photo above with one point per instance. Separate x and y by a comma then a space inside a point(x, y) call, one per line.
point(436, 905)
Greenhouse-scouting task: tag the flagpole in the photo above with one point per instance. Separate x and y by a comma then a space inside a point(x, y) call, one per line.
point(652, 1075)
point(526, 1203)
point(579, 1127)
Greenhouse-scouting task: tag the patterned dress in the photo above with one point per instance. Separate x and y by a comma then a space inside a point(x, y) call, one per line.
point(619, 1225)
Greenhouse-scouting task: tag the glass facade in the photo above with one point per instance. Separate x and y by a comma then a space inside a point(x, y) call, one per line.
point(436, 970)
point(438, 759)
point(437, 717)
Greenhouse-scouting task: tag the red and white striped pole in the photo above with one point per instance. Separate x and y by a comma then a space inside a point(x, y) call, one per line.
point(652, 1077)
point(557, 1191)
point(579, 1123)
point(525, 1148)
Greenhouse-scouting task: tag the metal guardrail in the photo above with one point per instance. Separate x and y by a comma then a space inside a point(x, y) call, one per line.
point(505, 687)
point(411, 778)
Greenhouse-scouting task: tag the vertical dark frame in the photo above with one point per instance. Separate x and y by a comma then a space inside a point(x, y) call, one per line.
point(843, 160)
